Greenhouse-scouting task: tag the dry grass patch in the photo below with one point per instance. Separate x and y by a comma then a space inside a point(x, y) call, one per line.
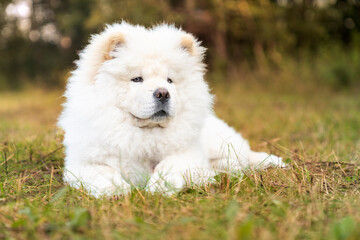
point(317, 197)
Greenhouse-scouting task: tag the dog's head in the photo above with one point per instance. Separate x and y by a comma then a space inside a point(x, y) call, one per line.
point(149, 74)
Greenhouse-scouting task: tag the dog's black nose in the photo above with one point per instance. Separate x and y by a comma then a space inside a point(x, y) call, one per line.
point(162, 95)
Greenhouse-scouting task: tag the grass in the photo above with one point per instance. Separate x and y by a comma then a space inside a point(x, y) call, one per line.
point(318, 197)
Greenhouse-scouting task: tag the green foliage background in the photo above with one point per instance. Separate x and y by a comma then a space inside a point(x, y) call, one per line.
point(244, 35)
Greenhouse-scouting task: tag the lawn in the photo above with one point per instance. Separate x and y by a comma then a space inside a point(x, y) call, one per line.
point(318, 197)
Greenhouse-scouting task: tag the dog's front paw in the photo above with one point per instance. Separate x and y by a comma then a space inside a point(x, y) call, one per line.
point(110, 190)
point(97, 182)
point(117, 187)
point(165, 183)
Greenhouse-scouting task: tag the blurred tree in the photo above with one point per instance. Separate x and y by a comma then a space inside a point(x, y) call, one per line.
point(38, 48)
point(40, 38)
point(143, 12)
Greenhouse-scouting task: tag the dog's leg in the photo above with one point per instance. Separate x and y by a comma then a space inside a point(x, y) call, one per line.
point(229, 151)
point(96, 179)
point(264, 160)
point(175, 171)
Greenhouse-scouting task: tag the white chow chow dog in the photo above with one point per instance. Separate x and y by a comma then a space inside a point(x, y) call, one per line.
point(139, 113)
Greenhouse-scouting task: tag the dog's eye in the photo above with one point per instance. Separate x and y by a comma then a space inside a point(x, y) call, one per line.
point(137, 79)
point(169, 80)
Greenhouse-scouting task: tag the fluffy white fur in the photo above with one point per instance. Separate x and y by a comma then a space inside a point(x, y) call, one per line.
point(112, 139)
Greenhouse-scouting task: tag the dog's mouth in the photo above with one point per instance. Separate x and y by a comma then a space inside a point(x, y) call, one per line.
point(160, 114)
point(158, 119)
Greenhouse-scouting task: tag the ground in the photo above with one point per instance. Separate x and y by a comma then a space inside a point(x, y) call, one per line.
point(318, 197)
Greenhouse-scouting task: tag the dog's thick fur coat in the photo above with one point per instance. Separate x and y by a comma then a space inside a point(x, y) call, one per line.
point(120, 131)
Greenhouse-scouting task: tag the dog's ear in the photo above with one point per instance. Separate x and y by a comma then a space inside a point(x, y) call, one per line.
point(100, 50)
point(187, 43)
point(113, 42)
point(191, 45)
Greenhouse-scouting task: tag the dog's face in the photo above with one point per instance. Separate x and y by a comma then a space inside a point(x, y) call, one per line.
point(151, 96)
point(151, 72)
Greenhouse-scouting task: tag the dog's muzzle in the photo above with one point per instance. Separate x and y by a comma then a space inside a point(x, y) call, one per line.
point(161, 95)
point(162, 98)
